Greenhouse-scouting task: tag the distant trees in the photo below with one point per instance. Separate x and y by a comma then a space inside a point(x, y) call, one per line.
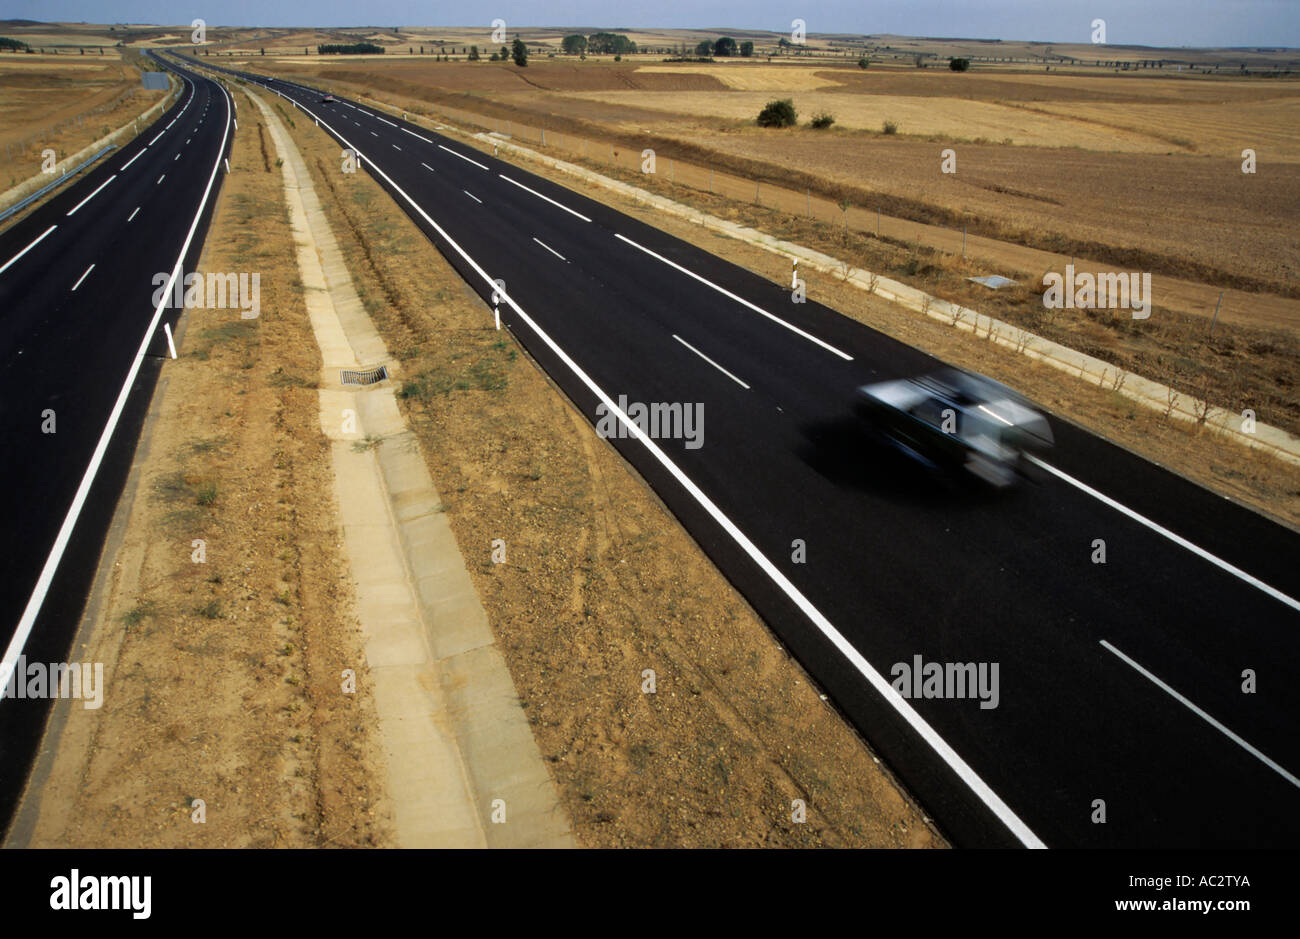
point(779, 113)
point(863, 62)
point(473, 53)
point(610, 43)
point(519, 52)
point(746, 49)
point(959, 65)
point(574, 45)
point(356, 48)
point(704, 48)
point(725, 47)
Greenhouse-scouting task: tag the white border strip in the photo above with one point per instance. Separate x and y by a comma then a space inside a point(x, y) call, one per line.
point(905, 710)
point(42, 587)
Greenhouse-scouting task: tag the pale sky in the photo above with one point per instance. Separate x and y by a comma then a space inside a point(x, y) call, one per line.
point(1268, 23)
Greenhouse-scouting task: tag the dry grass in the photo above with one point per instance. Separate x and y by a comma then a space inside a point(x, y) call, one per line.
point(602, 583)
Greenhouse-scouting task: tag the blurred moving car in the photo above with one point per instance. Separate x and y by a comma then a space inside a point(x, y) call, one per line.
point(957, 420)
point(328, 99)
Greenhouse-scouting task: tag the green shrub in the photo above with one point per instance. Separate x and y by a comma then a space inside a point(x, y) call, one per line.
point(778, 114)
point(891, 127)
point(822, 120)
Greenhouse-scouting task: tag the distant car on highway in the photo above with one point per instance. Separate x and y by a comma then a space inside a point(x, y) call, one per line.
point(328, 99)
point(953, 420)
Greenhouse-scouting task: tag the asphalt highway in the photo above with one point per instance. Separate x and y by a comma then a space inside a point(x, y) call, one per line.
point(1124, 712)
point(81, 345)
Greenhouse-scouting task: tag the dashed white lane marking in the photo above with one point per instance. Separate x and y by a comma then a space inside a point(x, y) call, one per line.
point(83, 277)
point(428, 167)
point(877, 681)
point(462, 156)
point(417, 136)
point(386, 121)
point(132, 160)
point(175, 158)
point(373, 134)
point(540, 196)
point(741, 300)
point(550, 249)
point(161, 178)
point(1205, 717)
point(472, 196)
point(155, 140)
point(711, 362)
point(93, 194)
point(1176, 539)
point(133, 214)
point(38, 240)
point(397, 148)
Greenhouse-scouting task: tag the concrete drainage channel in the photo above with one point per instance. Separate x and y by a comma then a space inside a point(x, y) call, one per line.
point(461, 756)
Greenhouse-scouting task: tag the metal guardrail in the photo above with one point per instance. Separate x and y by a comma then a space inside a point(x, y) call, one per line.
point(54, 185)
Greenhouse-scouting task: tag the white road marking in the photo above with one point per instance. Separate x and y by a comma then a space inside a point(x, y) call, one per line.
point(711, 362)
point(93, 194)
point(1176, 539)
point(462, 156)
point(373, 134)
point(414, 134)
point(8, 263)
point(472, 196)
point(397, 148)
point(37, 598)
point(161, 178)
point(155, 140)
point(540, 196)
point(83, 277)
point(386, 121)
point(900, 704)
point(132, 160)
point(133, 214)
point(550, 249)
point(741, 300)
point(1205, 717)
point(428, 167)
point(177, 157)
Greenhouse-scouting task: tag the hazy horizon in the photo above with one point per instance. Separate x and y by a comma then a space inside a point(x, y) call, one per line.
point(1156, 23)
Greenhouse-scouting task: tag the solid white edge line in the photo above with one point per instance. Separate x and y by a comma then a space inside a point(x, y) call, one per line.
point(46, 577)
point(10, 262)
point(900, 704)
point(74, 287)
point(1165, 532)
point(462, 156)
point(132, 160)
point(547, 198)
point(472, 196)
point(741, 300)
point(1253, 751)
point(711, 362)
point(550, 249)
point(92, 195)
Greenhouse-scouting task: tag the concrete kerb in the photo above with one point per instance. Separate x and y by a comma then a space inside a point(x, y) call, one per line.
point(1151, 394)
point(456, 736)
point(128, 130)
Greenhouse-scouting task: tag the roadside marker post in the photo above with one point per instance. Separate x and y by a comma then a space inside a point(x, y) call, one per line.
point(171, 345)
point(794, 275)
point(496, 314)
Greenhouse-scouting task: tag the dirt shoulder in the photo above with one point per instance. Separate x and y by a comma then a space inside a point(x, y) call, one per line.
point(601, 583)
point(224, 625)
point(1248, 368)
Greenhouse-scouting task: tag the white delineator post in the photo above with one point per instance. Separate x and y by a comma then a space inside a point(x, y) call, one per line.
point(794, 275)
point(171, 346)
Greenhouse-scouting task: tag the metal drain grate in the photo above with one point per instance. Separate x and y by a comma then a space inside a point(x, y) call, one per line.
point(363, 376)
